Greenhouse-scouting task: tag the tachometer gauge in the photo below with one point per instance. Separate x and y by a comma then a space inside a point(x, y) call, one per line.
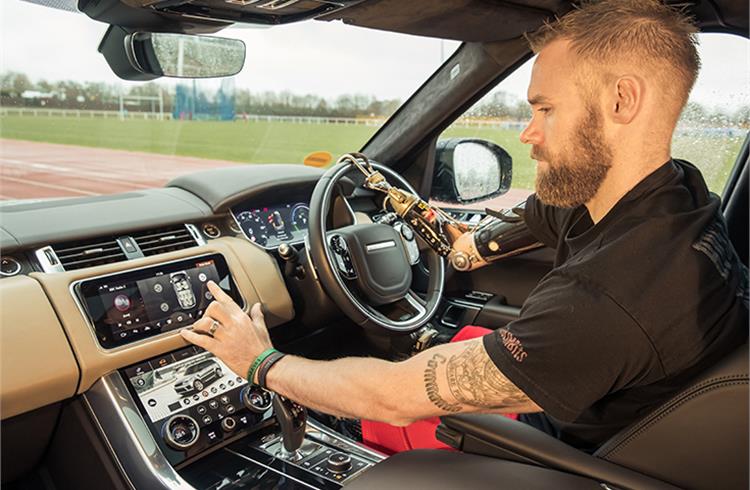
point(300, 214)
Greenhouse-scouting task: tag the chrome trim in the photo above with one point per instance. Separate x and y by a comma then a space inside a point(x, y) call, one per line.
point(412, 249)
point(15, 271)
point(309, 258)
point(196, 234)
point(248, 458)
point(319, 435)
point(47, 267)
point(278, 4)
point(405, 325)
point(328, 436)
point(128, 437)
point(209, 235)
point(372, 247)
point(415, 303)
point(129, 44)
point(92, 329)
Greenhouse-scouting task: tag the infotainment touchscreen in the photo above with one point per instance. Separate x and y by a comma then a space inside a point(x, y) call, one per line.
point(140, 303)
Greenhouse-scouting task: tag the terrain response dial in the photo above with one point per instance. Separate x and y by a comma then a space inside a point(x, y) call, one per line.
point(339, 463)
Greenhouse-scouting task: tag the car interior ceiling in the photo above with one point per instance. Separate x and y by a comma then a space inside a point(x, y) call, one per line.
point(66, 445)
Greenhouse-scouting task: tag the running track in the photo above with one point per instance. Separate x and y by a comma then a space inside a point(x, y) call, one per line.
point(41, 170)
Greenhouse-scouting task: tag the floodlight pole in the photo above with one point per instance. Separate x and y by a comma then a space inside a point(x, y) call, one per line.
point(122, 106)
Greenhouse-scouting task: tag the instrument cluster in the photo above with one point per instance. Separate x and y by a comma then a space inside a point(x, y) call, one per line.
point(271, 225)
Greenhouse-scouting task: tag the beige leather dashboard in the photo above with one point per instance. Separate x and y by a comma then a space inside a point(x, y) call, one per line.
point(38, 366)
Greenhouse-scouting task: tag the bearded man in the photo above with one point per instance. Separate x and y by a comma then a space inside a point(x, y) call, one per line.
point(646, 289)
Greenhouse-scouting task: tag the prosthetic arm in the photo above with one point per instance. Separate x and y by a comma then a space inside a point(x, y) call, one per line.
point(497, 236)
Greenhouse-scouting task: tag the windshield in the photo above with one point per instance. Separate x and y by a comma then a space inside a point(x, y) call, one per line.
point(70, 127)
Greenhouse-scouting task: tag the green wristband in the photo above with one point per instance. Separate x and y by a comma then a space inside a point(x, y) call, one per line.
point(256, 363)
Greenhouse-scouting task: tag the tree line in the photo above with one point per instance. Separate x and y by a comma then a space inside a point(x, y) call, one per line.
point(17, 90)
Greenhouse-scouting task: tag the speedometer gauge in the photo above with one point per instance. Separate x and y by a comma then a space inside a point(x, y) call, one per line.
point(300, 214)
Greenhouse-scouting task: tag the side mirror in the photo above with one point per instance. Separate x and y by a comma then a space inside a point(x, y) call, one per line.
point(148, 55)
point(469, 170)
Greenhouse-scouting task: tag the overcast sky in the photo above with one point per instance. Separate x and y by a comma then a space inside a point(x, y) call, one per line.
point(322, 58)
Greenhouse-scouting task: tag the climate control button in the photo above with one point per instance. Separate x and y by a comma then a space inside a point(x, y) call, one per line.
point(180, 432)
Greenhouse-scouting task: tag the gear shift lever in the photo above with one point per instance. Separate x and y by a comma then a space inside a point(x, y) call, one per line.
point(292, 418)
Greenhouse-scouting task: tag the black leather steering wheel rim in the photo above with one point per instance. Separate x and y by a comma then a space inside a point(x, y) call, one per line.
point(320, 254)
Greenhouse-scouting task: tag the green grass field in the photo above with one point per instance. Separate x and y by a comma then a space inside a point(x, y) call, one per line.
point(265, 142)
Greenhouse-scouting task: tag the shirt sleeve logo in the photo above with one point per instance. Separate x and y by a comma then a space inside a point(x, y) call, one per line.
point(514, 346)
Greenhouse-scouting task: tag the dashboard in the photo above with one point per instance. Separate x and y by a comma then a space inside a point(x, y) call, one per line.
point(269, 226)
point(147, 266)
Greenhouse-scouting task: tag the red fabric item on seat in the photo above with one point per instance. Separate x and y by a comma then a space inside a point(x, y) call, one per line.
point(421, 434)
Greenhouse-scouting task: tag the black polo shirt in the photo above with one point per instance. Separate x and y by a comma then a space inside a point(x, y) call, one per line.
point(634, 307)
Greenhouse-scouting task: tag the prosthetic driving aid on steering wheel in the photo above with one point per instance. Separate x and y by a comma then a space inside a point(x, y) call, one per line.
point(497, 236)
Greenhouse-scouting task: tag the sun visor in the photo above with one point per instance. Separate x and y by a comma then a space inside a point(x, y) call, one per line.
point(462, 20)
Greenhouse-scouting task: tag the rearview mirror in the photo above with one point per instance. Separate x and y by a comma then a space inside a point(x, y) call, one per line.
point(470, 170)
point(149, 55)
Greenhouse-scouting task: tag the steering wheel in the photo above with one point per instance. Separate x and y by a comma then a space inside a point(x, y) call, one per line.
point(365, 267)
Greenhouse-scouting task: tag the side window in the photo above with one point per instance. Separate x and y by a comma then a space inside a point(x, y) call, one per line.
point(709, 134)
point(717, 116)
point(500, 116)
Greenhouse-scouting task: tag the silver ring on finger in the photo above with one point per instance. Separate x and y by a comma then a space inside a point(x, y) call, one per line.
point(214, 327)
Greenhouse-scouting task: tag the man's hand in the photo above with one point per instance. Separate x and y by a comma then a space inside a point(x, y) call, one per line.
point(239, 338)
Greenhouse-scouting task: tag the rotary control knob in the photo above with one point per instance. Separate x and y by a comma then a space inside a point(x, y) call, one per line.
point(339, 463)
point(256, 399)
point(180, 432)
point(228, 424)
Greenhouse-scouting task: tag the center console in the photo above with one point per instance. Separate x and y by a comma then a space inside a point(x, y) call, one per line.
point(184, 420)
point(192, 401)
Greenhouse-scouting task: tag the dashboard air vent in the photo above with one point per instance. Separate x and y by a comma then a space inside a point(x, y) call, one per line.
point(162, 240)
point(98, 251)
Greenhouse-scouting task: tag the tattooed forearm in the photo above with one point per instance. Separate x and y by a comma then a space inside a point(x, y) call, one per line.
point(469, 378)
point(431, 385)
point(474, 380)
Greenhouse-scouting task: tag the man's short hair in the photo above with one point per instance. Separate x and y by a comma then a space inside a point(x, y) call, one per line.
point(645, 32)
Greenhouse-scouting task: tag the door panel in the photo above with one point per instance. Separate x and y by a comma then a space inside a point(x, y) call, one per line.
point(509, 281)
